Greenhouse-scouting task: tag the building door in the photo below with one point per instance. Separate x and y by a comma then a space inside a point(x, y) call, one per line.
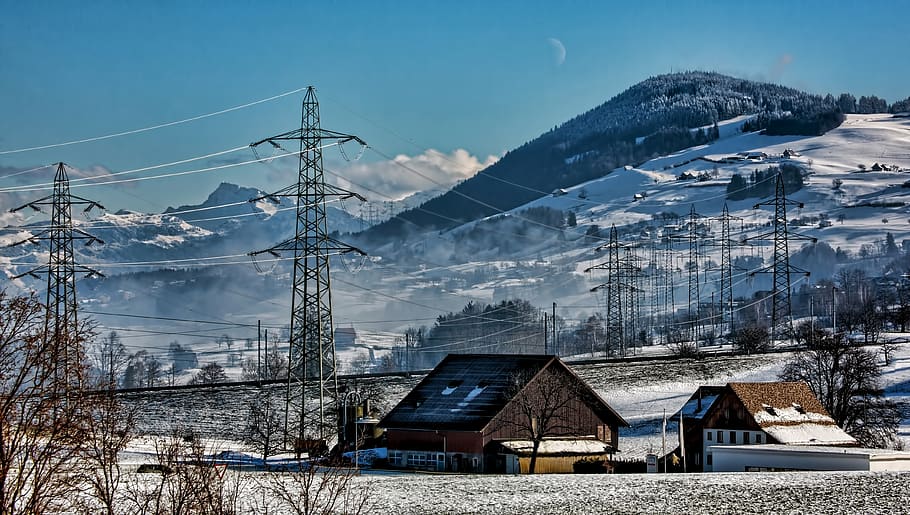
point(440, 462)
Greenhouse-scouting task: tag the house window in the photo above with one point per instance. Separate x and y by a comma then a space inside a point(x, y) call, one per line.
point(757, 437)
point(745, 437)
point(395, 458)
point(417, 460)
point(720, 437)
point(708, 459)
point(732, 436)
point(710, 435)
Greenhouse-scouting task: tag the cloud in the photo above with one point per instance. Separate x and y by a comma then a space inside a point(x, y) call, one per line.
point(405, 175)
point(559, 50)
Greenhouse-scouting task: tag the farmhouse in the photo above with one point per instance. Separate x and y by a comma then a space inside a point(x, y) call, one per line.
point(488, 413)
point(784, 413)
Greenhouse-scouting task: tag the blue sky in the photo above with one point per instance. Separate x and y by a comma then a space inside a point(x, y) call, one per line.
point(468, 79)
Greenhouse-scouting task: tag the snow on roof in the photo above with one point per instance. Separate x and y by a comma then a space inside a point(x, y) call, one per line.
point(705, 395)
point(781, 402)
point(466, 391)
point(809, 434)
point(463, 392)
point(556, 447)
point(790, 413)
point(690, 408)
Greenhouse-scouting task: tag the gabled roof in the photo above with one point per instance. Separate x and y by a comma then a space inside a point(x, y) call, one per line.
point(466, 391)
point(790, 413)
point(700, 402)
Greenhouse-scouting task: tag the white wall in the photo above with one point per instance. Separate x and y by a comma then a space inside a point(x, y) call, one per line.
point(738, 459)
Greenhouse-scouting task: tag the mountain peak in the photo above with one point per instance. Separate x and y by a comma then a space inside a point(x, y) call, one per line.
point(225, 193)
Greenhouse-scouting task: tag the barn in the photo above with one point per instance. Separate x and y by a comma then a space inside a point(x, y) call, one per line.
point(490, 413)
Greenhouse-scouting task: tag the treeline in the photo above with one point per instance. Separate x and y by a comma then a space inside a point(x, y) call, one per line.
point(510, 327)
point(808, 124)
point(871, 104)
point(762, 183)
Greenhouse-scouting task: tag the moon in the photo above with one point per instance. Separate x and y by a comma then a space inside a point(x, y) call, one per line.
point(559, 50)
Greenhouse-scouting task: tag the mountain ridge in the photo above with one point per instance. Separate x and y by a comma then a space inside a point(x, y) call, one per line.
point(663, 109)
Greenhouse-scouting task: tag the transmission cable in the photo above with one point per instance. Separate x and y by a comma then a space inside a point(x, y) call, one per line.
point(153, 127)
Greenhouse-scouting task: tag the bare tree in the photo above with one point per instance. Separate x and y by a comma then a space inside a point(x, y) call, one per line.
point(542, 405)
point(143, 370)
point(211, 373)
point(751, 339)
point(109, 432)
point(110, 358)
point(845, 378)
point(317, 490)
point(264, 424)
point(43, 410)
point(189, 483)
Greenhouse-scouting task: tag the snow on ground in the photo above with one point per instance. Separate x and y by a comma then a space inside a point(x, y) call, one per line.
point(641, 393)
point(752, 493)
point(760, 493)
point(861, 140)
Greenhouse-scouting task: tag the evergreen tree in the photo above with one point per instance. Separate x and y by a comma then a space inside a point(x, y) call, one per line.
point(847, 103)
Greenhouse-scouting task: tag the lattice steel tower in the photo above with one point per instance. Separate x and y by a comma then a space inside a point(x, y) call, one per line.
point(61, 321)
point(781, 319)
point(726, 268)
point(312, 383)
point(614, 298)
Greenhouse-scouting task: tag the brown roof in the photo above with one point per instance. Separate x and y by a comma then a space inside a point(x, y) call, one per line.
point(756, 397)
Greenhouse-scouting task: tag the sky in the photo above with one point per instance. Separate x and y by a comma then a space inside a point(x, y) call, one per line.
point(443, 87)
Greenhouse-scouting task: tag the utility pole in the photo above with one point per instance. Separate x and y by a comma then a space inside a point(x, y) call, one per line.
point(555, 340)
point(312, 382)
point(60, 322)
point(259, 351)
point(545, 334)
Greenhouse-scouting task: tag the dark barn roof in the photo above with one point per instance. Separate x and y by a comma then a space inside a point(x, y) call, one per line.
point(465, 391)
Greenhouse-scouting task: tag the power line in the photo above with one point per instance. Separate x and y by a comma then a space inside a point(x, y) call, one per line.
point(153, 127)
point(168, 175)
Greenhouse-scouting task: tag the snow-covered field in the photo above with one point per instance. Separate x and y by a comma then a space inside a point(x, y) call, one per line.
point(791, 492)
point(640, 392)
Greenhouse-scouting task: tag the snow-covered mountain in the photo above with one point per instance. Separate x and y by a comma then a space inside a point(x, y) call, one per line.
point(226, 223)
point(656, 116)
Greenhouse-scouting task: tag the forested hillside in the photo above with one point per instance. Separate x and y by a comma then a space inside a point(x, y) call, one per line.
point(659, 115)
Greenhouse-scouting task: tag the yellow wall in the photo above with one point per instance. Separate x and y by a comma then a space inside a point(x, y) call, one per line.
point(554, 464)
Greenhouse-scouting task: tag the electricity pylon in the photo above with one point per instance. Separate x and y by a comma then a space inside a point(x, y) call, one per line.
point(311, 356)
point(692, 266)
point(781, 317)
point(620, 308)
point(61, 322)
point(726, 268)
